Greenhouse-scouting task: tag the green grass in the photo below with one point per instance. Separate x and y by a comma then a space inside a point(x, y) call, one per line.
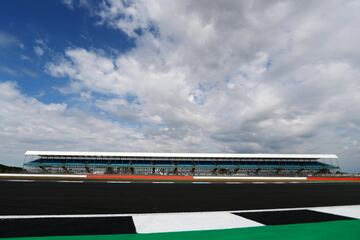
point(337, 230)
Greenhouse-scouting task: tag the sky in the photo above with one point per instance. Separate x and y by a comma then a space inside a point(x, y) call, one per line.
point(180, 76)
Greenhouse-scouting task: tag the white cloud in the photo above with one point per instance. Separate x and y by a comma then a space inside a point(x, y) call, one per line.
point(7, 39)
point(29, 72)
point(235, 76)
point(27, 123)
point(72, 4)
point(25, 58)
point(17, 72)
point(9, 71)
point(41, 47)
point(39, 51)
point(125, 15)
point(69, 4)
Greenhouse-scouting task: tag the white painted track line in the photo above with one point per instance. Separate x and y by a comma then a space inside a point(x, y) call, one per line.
point(69, 181)
point(118, 181)
point(162, 182)
point(20, 180)
point(42, 175)
point(155, 182)
point(63, 216)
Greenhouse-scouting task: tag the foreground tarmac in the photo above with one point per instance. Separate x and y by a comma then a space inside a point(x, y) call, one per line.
point(36, 198)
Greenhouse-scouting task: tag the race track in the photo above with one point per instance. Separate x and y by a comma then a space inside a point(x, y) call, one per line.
point(37, 198)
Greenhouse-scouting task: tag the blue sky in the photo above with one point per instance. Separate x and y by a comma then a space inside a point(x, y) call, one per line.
point(190, 76)
point(53, 27)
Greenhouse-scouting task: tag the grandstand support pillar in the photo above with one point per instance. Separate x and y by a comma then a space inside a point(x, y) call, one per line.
point(66, 170)
point(338, 166)
point(25, 160)
point(109, 170)
point(323, 171)
point(88, 169)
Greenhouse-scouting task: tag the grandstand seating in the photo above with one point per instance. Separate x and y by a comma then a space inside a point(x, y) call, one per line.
point(174, 166)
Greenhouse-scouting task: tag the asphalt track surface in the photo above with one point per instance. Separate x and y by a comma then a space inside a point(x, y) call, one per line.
point(45, 198)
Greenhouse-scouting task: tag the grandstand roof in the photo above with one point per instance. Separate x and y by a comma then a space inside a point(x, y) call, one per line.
point(181, 155)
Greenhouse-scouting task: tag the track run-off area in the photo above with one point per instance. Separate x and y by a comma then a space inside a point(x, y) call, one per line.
point(120, 209)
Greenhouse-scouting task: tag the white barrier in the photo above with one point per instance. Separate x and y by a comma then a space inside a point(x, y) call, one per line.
point(220, 178)
point(19, 175)
point(251, 178)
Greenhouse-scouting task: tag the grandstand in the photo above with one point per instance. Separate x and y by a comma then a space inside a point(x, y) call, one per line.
point(179, 163)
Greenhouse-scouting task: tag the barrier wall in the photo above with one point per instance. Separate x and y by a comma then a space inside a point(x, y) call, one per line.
point(224, 178)
point(139, 177)
point(333, 179)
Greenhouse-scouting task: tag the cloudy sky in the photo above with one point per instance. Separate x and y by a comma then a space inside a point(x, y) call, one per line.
point(184, 76)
